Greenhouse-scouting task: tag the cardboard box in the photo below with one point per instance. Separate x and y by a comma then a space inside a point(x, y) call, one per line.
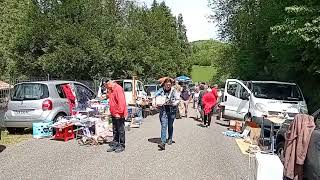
point(236, 125)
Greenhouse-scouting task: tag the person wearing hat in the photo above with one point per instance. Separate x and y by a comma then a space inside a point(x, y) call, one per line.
point(168, 111)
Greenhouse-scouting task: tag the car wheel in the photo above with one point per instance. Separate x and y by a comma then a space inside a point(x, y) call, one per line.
point(280, 151)
point(59, 115)
point(11, 130)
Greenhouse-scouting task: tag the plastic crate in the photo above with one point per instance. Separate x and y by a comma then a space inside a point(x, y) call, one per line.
point(65, 133)
point(41, 130)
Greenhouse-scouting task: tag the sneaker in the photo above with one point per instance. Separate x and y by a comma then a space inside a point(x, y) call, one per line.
point(119, 149)
point(170, 142)
point(112, 148)
point(162, 146)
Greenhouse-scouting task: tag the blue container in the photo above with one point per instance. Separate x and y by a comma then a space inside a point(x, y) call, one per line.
point(41, 130)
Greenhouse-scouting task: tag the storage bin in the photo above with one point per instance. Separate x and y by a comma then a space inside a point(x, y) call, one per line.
point(41, 130)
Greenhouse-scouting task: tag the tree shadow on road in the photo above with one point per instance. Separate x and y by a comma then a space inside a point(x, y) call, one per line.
point(2, 148)
point(222, 124)
point(196, 119)
point(155, 140)
point(201, 125)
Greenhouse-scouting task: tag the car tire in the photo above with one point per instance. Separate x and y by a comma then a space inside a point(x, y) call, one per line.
point(13, 130)
point(55, 120)
point(280, 151)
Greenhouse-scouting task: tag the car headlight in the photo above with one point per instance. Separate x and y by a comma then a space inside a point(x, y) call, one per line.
point(262, 108)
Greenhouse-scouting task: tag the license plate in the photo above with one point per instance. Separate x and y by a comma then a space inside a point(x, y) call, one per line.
point(21, 112)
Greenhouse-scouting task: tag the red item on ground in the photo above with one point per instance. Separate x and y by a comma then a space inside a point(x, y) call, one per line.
point(66, 133)
point(69, 95)
point(209, 100)
point(117, 102)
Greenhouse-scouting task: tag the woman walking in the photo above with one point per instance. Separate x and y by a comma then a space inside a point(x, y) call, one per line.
point(209, 101)
point(167, 111)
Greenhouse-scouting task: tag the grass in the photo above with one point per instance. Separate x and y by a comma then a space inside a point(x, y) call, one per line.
point(202, 73)
point(9, 139)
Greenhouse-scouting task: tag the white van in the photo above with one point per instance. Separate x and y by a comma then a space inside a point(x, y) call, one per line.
point(128, 87)
point(255, 99)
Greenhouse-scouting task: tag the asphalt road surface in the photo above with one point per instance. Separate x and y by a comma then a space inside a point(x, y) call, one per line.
point(199, 153)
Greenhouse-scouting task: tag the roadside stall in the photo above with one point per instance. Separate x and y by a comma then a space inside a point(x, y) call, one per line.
point(89, 121)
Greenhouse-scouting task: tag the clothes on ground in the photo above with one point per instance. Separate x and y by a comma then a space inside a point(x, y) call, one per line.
point(297, 139)
point(232, 134)
point(117, 102)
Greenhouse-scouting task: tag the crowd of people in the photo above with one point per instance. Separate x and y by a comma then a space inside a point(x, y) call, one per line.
point(177, 99)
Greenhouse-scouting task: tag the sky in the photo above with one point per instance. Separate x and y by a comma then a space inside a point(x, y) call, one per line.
point(195, 13)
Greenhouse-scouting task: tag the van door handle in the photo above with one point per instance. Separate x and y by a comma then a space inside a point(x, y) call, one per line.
point(225, 98)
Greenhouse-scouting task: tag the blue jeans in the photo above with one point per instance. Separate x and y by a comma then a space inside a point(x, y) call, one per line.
point(167, 116)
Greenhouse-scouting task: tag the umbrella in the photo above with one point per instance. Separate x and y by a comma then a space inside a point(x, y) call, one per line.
point(183, 78)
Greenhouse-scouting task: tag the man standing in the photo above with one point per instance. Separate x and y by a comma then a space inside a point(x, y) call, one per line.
point(186, 97)
point(118, 110)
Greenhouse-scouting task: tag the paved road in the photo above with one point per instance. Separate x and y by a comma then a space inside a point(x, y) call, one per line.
point(199, 153)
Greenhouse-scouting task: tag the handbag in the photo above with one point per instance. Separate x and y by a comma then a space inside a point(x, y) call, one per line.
point(161, 100)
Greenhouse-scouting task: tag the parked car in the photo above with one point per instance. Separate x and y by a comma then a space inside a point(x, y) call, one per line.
point(151, 89)
point(312, 161)
point(255, 99)
point(42, 101)
point(128, 87)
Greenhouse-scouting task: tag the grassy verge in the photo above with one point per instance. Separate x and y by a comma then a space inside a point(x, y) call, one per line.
point(9, 139)
point(202, 73)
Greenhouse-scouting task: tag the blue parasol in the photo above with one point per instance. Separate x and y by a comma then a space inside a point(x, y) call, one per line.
point(183, 78)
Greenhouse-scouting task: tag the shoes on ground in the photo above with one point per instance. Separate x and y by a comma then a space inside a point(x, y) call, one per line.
point(112, 148)
point(170, 142)
point(162, 146)
point(119, 149)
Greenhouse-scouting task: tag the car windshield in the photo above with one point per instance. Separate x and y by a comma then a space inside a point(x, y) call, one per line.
point(30, 91)
point(151, 88)
point(277, 91)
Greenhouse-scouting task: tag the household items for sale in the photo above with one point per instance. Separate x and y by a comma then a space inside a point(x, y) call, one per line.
point(268, 167)
point(236, 125)
point(297, 139)
point(64, 133)
point(244, 134)
point(253, 149)
point(41, 130)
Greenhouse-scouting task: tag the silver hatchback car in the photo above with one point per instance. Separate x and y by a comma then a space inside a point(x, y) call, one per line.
point(42, 101)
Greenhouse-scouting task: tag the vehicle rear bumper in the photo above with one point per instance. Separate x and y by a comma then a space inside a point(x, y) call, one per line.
point(20, 124)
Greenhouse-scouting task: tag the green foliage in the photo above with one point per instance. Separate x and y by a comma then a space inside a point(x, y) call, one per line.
point(85, 39)
point(211, 54)
point(202, 73)
point(272, 40)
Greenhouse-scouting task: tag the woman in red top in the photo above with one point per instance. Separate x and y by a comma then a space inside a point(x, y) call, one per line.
point(70, 96)
point(209, 100)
